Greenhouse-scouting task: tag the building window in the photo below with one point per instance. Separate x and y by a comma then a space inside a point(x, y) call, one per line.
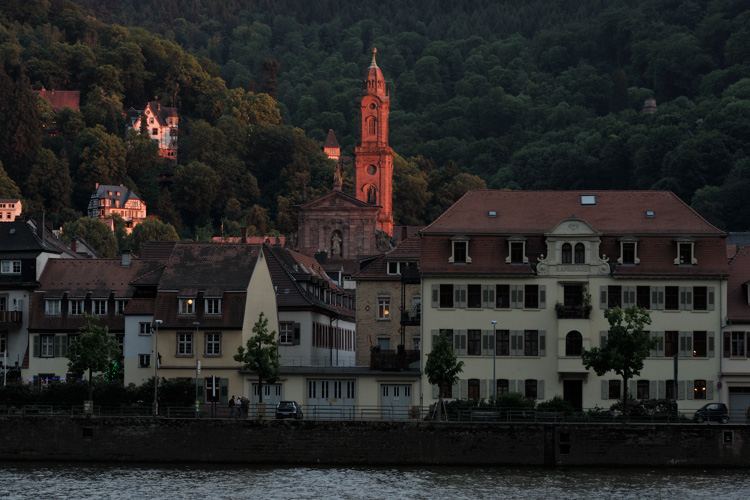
point(685, 253)
point(10, 266)
point(502, 343)
point(642, 389)
point(671, 393)
point(580, 253)
point(671, 298)
point(187, 306)
point(502, 296)
point(531, 297)
point(99, 307)
point(52, 307)
point(700, 345)
point(120, 306)
point(446, 296)
point(415, 342)
point(699, 389)
point(614, 389)
point(531, 343)
point(144, 360)
point(738, 344)
point(503, 387)
point(384, 343)
point(120, 340)
point(75, 307)
point(474, 296)
point(643, 297)
point(213, 344)
point(628, 253)
point(671, 343)
point(614, 296)
point(474, 345)
point(573, 344)
point(3, 342)
point(213, 306)
point(46, 346)
point(446, 391)
point(473, 388)
point(700, 298)
point(516, 252)
point(460, 251)
point(567, 253)
point(185, 344)
point(530, 389)
point(286, 333)
point(144, 328)
point(384, 308)
point(154, 131)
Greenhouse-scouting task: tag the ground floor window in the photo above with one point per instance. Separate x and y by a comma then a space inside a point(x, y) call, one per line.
point(699, 389)
point(503, 387)
point(473, 388)
point(642, 389)
point(615, 391)
point(530, 389)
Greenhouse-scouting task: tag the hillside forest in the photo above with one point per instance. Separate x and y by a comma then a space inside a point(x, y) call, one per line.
point(507, 95)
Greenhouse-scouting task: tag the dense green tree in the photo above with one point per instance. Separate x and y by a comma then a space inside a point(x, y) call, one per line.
point(260, 355)
point(49, 183)
point(91, 351)
point(442, 367)
point(151, 229)
point(627, 346)
point(95, 232)
point(8, 188)
point(196, 189)
point(100, 158)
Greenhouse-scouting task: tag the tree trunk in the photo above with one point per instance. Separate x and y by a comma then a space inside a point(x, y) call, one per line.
point(624, 396)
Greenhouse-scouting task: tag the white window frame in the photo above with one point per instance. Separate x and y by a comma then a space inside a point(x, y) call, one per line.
point(96, 307)
point(680, 244)
point(463, 240)
point(737, 339)
point(286, 333)
point(384, 308)
point(187, 306)
point(144, 328)
point(212, 306)
point(10, 267)
point(212, 344)
point(184, 344)
point(144, 361)
point(46, 349)
point(514, 241)
point(52, 307)
point(628, 241)
point(75, 307)
point(120, 305)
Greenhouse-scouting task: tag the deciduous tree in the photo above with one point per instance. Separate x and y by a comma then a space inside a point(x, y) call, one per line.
point(441, 367)
point(91, 351)
point(261, 354)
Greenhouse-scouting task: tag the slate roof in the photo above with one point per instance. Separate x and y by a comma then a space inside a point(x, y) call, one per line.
point(407, 250)
point(331, 141)
point(157, 250)
point(125, 193)
point(530, 212)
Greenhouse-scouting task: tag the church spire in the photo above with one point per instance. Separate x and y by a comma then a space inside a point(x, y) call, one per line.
point(374, 83)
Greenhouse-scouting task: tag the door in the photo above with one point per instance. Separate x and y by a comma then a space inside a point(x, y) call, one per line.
point(573, 393)
point(330, 399)
point(395, 400)
point(271, 396)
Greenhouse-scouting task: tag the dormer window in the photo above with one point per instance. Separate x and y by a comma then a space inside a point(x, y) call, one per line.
point(460, 251)
point(685, 253)
point(516, 251)
point(187, 306)
point(212, 306)
point(628, 251)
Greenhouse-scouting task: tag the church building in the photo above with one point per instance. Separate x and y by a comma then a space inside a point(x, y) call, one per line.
point(341, 228)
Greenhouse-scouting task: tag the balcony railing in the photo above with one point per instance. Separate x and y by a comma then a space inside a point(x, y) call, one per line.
point(573, 312)
point(391, 360)
point(11, 316)
point(410, 318)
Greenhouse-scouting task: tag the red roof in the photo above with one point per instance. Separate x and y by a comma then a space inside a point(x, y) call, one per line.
point(61, 98)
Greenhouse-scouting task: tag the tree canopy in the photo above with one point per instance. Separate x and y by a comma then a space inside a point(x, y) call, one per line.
point(261, 354)
point(91, 350)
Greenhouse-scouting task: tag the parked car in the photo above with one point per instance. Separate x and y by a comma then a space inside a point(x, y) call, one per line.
point(717, 412)
point(288, 409)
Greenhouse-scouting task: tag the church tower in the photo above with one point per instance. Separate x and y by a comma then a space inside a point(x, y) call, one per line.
point(373, 167)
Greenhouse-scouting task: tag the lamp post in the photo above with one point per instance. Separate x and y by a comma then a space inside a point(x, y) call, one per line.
point(494, 351)
point(196, 324)
point(155, 361)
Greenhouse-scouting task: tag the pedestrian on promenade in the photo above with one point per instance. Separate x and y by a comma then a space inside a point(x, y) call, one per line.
point(245, 407)
point(231, 408)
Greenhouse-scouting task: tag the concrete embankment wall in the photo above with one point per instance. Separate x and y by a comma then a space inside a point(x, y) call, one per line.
point(370, 443)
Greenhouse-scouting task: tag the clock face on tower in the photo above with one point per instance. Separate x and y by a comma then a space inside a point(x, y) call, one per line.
point(371, 169)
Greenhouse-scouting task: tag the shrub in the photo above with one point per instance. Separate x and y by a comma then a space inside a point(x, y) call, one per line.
point(556, 404)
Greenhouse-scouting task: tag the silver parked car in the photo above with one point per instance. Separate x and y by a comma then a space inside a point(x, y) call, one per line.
point(288, 409)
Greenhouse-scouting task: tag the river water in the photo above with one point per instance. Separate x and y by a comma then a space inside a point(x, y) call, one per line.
point(133, 481)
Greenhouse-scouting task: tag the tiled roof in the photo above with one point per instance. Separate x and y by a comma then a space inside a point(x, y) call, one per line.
point(157, 250)
point(331, 141)
point(208, 265)
point(407, 250)
point(738, 309)
point(61, 98)
point(528, 212)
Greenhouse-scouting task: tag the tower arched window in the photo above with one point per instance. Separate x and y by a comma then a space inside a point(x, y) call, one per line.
point(372, 195)
point(573, 343)
point(567, 253)
point(372, 125)
point(580, 253)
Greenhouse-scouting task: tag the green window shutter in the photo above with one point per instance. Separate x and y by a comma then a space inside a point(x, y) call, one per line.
point(59, 339)
point(35, 346)
point(709, 390)
point(224, 394)
point(297, 335)
point(662, 389)
point(435, 296)
point(602, 297)
point(605, 389)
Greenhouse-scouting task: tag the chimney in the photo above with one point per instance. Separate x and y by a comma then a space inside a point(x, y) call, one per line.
point(126, 258)
point(321, 257)
point(74, 244)
point(244, 234)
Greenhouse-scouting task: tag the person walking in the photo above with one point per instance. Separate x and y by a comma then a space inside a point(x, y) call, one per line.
point(232, 408)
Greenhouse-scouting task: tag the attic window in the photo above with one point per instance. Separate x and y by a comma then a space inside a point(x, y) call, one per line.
point(588, 199)
point(650, 214)
point(491, 213)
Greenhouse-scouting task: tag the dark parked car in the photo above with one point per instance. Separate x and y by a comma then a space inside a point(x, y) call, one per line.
point(713, 411)
point(288, 409)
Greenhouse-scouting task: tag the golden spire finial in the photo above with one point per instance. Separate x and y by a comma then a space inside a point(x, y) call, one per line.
point(373, 64)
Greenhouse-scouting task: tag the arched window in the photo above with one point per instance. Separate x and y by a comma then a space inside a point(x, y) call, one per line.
point(372, 195)
point(567, 253)
point(372, 125)
point(573, 344)
point(580, 253)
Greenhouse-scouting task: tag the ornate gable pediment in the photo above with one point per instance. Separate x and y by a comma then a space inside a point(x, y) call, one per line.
point(573, 227)
point(335, 200)
point(573, 250)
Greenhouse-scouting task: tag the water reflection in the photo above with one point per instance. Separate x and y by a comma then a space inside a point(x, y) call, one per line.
point(53, 481)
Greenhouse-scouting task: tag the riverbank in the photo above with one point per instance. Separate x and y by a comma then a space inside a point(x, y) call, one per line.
point(270, 442)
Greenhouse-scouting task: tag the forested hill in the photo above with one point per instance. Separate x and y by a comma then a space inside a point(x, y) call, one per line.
point(540, 94)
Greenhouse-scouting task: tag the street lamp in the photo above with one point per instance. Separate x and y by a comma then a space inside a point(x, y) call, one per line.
point(155, 361)
point(196, 324)
point(494, 351)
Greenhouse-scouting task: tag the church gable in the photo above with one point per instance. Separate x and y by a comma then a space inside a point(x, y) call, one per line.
point(335, 200)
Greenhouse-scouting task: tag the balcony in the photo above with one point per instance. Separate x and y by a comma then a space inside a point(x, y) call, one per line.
point(391, 360)
point(411, 318)
point(572, 312)
point(11, 317)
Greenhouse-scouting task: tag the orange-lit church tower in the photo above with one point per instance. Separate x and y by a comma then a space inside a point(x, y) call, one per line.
point(373, 167)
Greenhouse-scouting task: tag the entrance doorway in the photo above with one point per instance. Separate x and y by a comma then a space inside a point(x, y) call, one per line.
point(573, 393)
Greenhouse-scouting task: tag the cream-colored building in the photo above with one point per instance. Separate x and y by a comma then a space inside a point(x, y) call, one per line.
point(520, 281)
point(735, 342)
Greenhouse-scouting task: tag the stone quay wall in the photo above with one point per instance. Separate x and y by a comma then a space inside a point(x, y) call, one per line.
point(110, 439)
